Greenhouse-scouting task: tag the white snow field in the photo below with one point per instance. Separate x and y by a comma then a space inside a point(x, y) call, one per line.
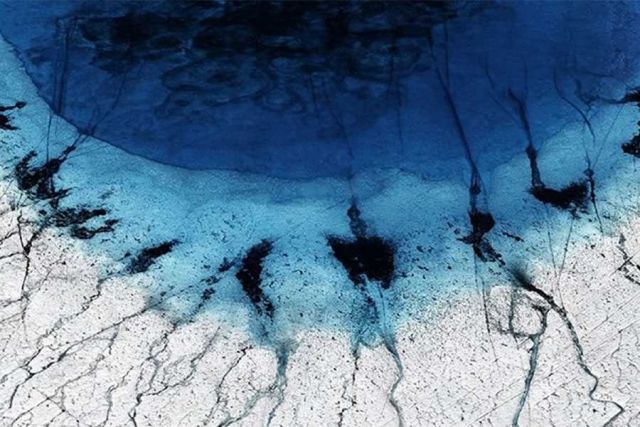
point(84, 342)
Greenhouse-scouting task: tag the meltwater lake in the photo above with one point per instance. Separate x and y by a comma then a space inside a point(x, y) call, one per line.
point(339, 166)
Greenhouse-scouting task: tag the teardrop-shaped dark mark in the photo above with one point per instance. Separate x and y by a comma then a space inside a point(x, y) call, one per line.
point(367, 256)
point(250, 277)
point(148, 256)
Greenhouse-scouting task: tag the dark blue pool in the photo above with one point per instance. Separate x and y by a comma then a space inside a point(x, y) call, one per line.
point(305, 89)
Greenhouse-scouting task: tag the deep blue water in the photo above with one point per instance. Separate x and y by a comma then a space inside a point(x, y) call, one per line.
point(305, 89)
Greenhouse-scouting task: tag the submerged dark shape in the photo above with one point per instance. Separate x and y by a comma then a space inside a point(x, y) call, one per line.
point(572, 197)
point(84, 233)
point(207, 293)
point(250, 277)
point(75, 216)
point(370, 257)
point(148, 256)
point(356, 223)
point(482, 223)
point(5, 122)
point(633, 96)
point(37, 181)
point(632, 147)
point(366, 256)
point(225, 265)
point(310, 33)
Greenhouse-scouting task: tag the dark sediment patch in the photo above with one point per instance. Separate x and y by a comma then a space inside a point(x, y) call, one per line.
point(5, 123)
point(5, 120)
point(148, 256)
point(481, 224)
point(84, 233)
point(513, 236)
point(367, 256)
point(37, 181)
point(75, 216)
point(207, 293)
point(632, 147)
point(370, 257)
point(250, 277)
point(356, 224)
point(573, 197)
point(633, 96)
point(225, 265)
